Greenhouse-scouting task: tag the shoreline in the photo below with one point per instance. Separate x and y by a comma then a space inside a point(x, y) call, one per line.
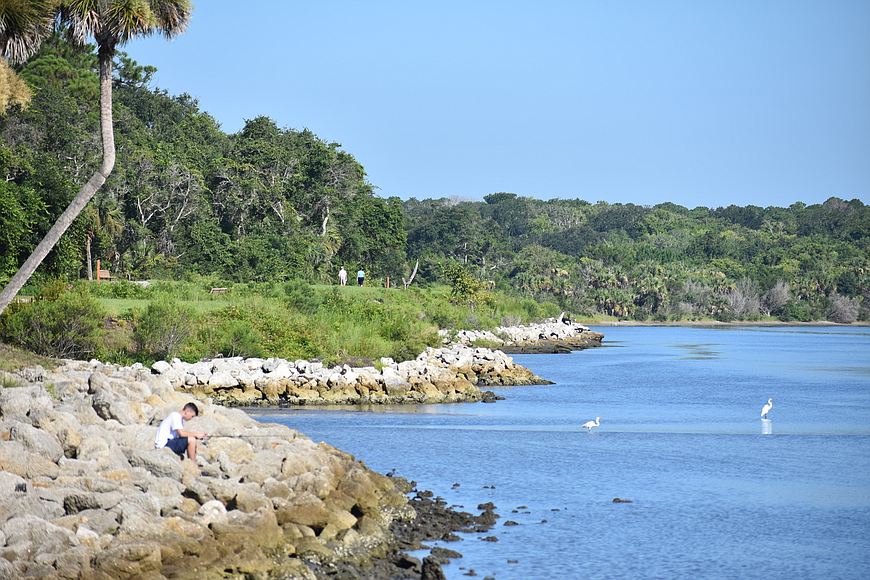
point(718, 324)
point(82, 485)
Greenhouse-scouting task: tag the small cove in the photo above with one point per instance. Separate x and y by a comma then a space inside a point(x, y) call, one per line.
point(716, 491)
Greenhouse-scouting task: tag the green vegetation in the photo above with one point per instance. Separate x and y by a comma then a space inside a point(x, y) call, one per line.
point(185, 199)
point(664, 262)
point(270, 214)
point(292, 320)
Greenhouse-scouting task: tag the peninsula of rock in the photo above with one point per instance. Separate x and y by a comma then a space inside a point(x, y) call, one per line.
point(84, 495)
point(454, 373)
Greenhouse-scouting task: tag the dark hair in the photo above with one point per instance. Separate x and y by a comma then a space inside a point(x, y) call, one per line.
point(192, 407)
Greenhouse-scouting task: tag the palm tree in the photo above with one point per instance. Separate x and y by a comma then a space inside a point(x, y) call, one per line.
point(23, 25)
point(111, 23)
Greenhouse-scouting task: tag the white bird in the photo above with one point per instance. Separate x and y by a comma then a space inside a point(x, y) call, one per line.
point(590, 424)
point(767, 408)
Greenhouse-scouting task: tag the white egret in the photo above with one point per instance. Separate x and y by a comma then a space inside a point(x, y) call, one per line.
point(767, 408)
point(590, 424)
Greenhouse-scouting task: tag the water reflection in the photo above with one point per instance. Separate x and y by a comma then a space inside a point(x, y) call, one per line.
point(766, 427)
point(699, 351)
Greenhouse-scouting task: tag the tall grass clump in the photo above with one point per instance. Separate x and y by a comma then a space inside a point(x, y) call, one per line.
point(225, 332)
point(301, 297)
point(163, 327)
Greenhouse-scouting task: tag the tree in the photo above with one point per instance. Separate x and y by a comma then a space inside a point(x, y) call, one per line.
point(111, 23)
point(464, 287)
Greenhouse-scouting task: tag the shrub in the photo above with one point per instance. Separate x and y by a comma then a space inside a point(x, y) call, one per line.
point(531, 308)
point(794, 311)
point(549, 310)
point(725, 316)
point(163, 327)
point(229, 338)
point(58, 324)
point(120, 289)
point(843, 309)
point(396, 328)
point(301, 297)
point(511, 320)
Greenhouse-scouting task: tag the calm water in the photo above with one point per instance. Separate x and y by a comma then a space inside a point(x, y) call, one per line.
point(716, 491)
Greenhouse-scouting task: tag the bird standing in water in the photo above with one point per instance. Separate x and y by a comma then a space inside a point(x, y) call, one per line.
point(767, 408)
point(590, 424)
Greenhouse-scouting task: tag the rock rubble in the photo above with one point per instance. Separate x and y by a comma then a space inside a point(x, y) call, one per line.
point(85, 495)
point(551, 335)
point(451, 374)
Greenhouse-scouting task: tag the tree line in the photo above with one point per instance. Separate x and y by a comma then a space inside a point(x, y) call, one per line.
point(662, 262)
point(185, 198)
point(271, 204)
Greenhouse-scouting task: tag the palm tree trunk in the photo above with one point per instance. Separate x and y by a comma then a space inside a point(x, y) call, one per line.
point(85, 193)
point(90, 271)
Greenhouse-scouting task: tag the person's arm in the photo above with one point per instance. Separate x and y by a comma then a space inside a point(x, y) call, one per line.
point(189, 434)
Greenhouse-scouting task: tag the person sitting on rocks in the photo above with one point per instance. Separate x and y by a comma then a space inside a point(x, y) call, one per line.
point(171, 432)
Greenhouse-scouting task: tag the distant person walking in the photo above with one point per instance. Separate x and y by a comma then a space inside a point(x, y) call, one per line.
point(171, 432)
point(361, 277)
point(342, 276)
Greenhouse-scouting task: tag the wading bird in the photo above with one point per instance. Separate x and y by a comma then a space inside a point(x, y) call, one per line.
point(590, 424)
point(767, 408)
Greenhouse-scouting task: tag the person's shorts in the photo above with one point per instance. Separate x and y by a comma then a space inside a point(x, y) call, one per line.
point(179, 445)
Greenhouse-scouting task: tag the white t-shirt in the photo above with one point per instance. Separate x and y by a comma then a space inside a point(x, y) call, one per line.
point(168, 429)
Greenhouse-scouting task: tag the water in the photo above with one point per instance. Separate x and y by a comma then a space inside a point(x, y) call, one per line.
point(716, 491)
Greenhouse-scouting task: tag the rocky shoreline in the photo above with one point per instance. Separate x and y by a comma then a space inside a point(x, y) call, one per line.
point(452, 374)
point(555, 335)
point(445, 375)
point(85, 495)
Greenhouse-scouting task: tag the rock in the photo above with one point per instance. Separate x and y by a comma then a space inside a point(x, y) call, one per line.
point(161, 367)
point(160, 462)
point(83, 493)
point(306, 509)
point(37, 441)
point(432, 569)
point(212, 512)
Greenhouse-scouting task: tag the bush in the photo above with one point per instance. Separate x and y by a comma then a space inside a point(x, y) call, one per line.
point(163, 327)
point(843, 309)
point(62, 325)
point(531, 308)
point(794, 311)
point(227, 337)
point(549, 310)
point(120, 289)
point(301, 297)
point(725, 316)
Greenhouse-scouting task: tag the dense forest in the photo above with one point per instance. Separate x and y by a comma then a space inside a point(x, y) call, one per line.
point(272, 204)
point(185, 197)
point(664, 262)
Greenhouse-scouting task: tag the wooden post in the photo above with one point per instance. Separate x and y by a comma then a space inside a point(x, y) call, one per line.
point(388, 281)
point(98, 270)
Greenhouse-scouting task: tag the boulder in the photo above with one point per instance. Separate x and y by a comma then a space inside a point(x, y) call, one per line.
point(160, 462)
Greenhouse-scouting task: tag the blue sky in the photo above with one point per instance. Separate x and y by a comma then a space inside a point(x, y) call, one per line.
point(698, 103)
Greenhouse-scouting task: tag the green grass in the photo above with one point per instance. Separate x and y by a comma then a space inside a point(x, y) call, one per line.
point(13, 358)
point(122, 307)
point(297, 321)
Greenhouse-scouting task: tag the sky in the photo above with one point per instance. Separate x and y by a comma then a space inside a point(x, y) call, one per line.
point(713, 103)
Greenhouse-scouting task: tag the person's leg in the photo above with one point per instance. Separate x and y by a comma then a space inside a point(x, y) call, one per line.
point(191, 449)
point(178, 445)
